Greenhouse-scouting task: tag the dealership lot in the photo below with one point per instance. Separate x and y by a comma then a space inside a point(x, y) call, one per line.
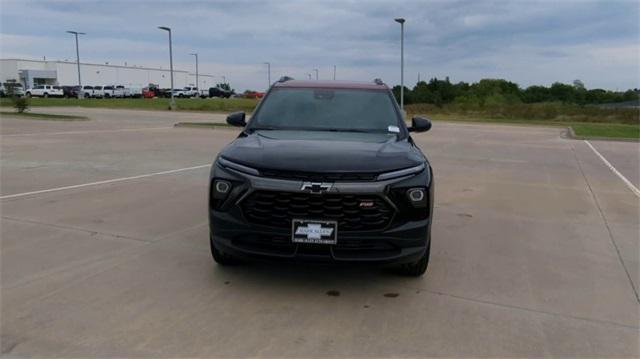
point(535, 251)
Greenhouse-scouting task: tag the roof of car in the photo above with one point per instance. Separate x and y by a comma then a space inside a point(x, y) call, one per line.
point(331, 84)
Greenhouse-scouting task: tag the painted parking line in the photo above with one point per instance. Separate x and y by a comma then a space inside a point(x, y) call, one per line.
point(85, 132)
point(624, 179)
point(122, 179)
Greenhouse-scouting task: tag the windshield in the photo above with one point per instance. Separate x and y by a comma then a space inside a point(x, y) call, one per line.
point(327, 110)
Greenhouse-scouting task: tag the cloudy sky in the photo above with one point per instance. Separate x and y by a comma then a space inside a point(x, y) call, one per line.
point(529, 42)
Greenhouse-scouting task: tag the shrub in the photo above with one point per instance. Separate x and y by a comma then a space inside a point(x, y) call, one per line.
point(21, 104)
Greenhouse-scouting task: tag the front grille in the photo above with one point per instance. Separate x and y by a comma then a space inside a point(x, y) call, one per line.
point(277, 209)
point(319, 177)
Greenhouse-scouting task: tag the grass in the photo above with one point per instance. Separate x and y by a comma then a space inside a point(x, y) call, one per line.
point(550, 111)
point(587, 130)
point(586, 121)
point(44, 116)
point(183, 104)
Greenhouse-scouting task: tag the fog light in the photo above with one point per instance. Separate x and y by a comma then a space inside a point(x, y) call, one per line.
point(220, 189)
point(416, 194)
point(223, 187)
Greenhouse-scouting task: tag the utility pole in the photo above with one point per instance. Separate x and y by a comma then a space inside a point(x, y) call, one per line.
point(334, 72)
point(316, 70)
point(172, 104)
point(197, 83)
point(268, 74)
point(76, 33)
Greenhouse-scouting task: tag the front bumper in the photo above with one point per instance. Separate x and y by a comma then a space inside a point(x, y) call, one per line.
point(403, 240)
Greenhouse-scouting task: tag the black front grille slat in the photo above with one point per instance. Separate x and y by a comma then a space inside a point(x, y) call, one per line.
point(277, 209)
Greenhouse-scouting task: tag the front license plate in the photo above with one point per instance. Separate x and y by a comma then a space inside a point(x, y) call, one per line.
point(312, 231)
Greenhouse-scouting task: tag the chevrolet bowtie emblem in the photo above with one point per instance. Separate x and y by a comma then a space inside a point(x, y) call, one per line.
point(316, 187)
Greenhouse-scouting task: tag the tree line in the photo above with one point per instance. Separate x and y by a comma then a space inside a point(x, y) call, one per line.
point(502, 92)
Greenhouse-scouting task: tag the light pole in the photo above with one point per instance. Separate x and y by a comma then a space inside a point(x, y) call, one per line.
point(76, 33)
point(197, 83)
point(401, 22)
point(316, 70)
point(268, 74)
point(334, 72)
point(172, 104)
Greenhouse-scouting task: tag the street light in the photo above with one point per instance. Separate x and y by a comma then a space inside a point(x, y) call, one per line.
point(268, 74)
point(172, 104)
point(316, 70)
point(197, 83)
point(76, 33)
point(401, 22)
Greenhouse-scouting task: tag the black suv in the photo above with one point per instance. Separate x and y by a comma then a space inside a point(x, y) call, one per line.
point(219, 92)
point(323, 171)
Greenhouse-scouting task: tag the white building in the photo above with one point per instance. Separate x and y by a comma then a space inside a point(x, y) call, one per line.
point(38, 72)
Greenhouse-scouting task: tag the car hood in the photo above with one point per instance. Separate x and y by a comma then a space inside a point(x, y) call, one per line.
point(319, 151)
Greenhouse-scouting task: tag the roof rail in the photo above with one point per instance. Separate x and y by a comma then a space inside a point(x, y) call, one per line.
point(285, 79)
point(378, 82)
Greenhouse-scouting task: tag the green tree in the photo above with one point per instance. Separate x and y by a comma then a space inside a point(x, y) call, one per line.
point(225, 86)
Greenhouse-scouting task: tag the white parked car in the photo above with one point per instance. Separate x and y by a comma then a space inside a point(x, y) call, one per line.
point(98, 91)
point(134, 91)
point(87, 91)
point(191, 91)
point(11, 88)
point(112, 92)
point(180, 93)
point(121, 91)
point(45, 91)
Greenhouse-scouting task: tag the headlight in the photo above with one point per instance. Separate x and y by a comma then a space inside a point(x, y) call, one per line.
point(401, 173)
point(238, 167)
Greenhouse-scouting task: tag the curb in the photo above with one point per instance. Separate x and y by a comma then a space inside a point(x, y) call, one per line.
point(203, 125)
point(570, 134)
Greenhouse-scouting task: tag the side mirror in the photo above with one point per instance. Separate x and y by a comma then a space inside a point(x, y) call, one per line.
point(236, 119)
point(420, 124)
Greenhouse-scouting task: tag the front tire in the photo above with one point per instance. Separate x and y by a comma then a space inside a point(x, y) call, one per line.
point(219, 256)
point(419, 267)
point(45, 95)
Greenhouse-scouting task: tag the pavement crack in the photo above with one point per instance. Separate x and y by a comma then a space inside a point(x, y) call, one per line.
point(606, 223)
point(567, 316)
point(70, 228)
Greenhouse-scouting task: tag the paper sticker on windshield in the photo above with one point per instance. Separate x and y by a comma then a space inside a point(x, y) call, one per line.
point(394, 129)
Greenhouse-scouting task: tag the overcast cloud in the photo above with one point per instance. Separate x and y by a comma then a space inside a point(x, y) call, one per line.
point(529, 42)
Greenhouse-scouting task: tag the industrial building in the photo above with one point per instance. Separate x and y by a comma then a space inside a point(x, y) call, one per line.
point(43, 72)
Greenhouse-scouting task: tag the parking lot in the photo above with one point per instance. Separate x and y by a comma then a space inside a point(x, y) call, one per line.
point(105, 251)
